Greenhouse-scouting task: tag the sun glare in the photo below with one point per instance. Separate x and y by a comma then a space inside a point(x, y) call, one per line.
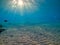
point(20, 3)
point(24, 5)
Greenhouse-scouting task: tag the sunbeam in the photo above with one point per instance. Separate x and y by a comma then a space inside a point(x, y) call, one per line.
point(24, 5)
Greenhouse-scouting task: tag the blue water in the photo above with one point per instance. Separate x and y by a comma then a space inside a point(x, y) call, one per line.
point(48, 12)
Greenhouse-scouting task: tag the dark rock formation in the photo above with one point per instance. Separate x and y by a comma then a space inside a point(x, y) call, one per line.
point(1, 28)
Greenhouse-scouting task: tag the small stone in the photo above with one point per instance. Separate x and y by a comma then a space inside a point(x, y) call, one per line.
point(11, 35)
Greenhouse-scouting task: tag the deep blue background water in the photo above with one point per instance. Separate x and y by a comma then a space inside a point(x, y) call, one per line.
point(48, 12)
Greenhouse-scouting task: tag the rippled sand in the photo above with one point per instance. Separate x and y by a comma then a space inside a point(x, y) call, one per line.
point(30, 35)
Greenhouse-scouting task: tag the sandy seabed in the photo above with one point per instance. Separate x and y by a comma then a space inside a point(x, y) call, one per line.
point(30, 35)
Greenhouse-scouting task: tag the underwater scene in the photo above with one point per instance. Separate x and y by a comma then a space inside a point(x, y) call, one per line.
point(29, 22)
